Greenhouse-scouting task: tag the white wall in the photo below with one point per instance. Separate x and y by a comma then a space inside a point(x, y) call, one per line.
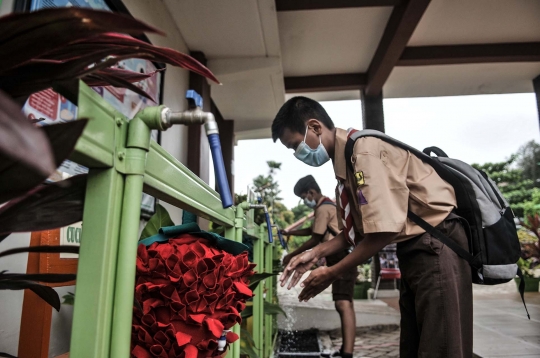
point(174, 140)
point(6, 7)
point(11, 301)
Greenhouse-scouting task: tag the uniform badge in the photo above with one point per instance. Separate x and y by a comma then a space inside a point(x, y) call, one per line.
point(359, 176)
point(361, 198)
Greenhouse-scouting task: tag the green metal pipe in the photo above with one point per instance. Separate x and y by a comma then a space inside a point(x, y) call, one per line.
point(91, 330)
point(268, 319)
point(138, 142)
point(125, 272)
point(236, 234)
point(258, 300)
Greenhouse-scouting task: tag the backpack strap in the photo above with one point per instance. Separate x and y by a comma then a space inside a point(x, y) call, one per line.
point(439, 168)
point(349, 147)
point(328, 201)
point(436, 233)
point(436, 150)
point(522, 290)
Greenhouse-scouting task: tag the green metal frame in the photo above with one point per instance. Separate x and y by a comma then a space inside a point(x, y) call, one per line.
point(123, 163)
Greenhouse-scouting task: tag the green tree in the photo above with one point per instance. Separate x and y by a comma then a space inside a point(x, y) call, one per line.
point(297, 241)
point(300, 211)
point(268, 188)
point(529, 161)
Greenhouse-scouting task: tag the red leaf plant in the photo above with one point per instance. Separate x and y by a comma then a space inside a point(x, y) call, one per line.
point(189, 292)
point(51, 46)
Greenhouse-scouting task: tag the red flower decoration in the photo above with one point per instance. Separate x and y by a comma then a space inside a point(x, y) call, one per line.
point(190, 292)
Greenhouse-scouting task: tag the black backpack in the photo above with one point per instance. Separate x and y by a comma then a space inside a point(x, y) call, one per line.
point(494, 247)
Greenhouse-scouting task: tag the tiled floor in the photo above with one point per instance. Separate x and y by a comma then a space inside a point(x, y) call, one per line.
point(376, 342)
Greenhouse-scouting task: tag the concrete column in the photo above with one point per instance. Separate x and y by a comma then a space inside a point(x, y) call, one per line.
point(536, 85)
point(372, 111)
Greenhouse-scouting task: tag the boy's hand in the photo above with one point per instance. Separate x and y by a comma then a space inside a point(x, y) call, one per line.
point(287, 259)
point(318, 281)
point(297, 267)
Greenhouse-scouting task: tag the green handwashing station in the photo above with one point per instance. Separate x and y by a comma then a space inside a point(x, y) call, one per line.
point(123, 163)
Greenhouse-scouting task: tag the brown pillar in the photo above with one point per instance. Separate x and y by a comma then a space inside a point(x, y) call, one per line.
point(372, 111)
point(226, 138)
point(198, 149)
point(536, 86)
point(36, 314)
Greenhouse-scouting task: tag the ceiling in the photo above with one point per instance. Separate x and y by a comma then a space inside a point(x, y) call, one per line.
point(252, 47)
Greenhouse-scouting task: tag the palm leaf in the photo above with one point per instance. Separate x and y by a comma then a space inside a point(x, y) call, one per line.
point(247, 344)
point(257, 278)
point(21, 142)
point(46, 207)
point(46, 293)
point(17, 179)
point(160, 219)
point(69, 299)
point(273, 309)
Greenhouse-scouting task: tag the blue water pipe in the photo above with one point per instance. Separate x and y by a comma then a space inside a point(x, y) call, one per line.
point(280, 236)
point(195, 115)
point(281, 240)
point(269, 226)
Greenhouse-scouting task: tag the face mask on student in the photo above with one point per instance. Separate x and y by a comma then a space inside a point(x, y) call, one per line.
point(310, 203)
point(313, 157)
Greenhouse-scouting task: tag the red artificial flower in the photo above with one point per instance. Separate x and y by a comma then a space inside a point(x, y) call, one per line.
point(190, 292)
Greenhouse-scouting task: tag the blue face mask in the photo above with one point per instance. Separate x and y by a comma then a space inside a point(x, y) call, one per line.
point(313, 157)
point(310, 203)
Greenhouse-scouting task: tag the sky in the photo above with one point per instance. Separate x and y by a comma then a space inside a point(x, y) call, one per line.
point(474, 129)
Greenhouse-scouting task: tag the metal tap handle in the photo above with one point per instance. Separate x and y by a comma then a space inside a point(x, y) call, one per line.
point(194, 99)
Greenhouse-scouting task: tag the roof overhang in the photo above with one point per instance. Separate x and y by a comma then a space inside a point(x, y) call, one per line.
point(265, 51)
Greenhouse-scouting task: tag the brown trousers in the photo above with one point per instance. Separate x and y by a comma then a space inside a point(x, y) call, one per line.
point(436, 296)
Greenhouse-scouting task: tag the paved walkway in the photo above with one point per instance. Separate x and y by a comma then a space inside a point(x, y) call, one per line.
point(501, 327)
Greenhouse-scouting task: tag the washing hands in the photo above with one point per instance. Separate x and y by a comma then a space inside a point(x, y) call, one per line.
point(316, 282)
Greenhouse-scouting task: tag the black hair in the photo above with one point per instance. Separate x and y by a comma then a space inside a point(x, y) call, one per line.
point(305, 184)
point(312, 185)
point(295, 113)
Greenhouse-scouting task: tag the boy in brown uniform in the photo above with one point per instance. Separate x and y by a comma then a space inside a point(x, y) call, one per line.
point(375, 191)
point(325, 228)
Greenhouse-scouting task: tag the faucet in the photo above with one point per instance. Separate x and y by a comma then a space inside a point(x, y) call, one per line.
point(254, 201)
point(195, 115)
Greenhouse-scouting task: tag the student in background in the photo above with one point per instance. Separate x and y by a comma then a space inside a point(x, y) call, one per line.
point(325, 228)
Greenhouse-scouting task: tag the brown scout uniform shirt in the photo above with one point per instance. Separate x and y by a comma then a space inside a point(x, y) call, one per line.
point(392, 180)
point(325, 216)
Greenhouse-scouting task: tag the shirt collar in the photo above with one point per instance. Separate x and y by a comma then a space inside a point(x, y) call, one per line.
point(340, 166)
